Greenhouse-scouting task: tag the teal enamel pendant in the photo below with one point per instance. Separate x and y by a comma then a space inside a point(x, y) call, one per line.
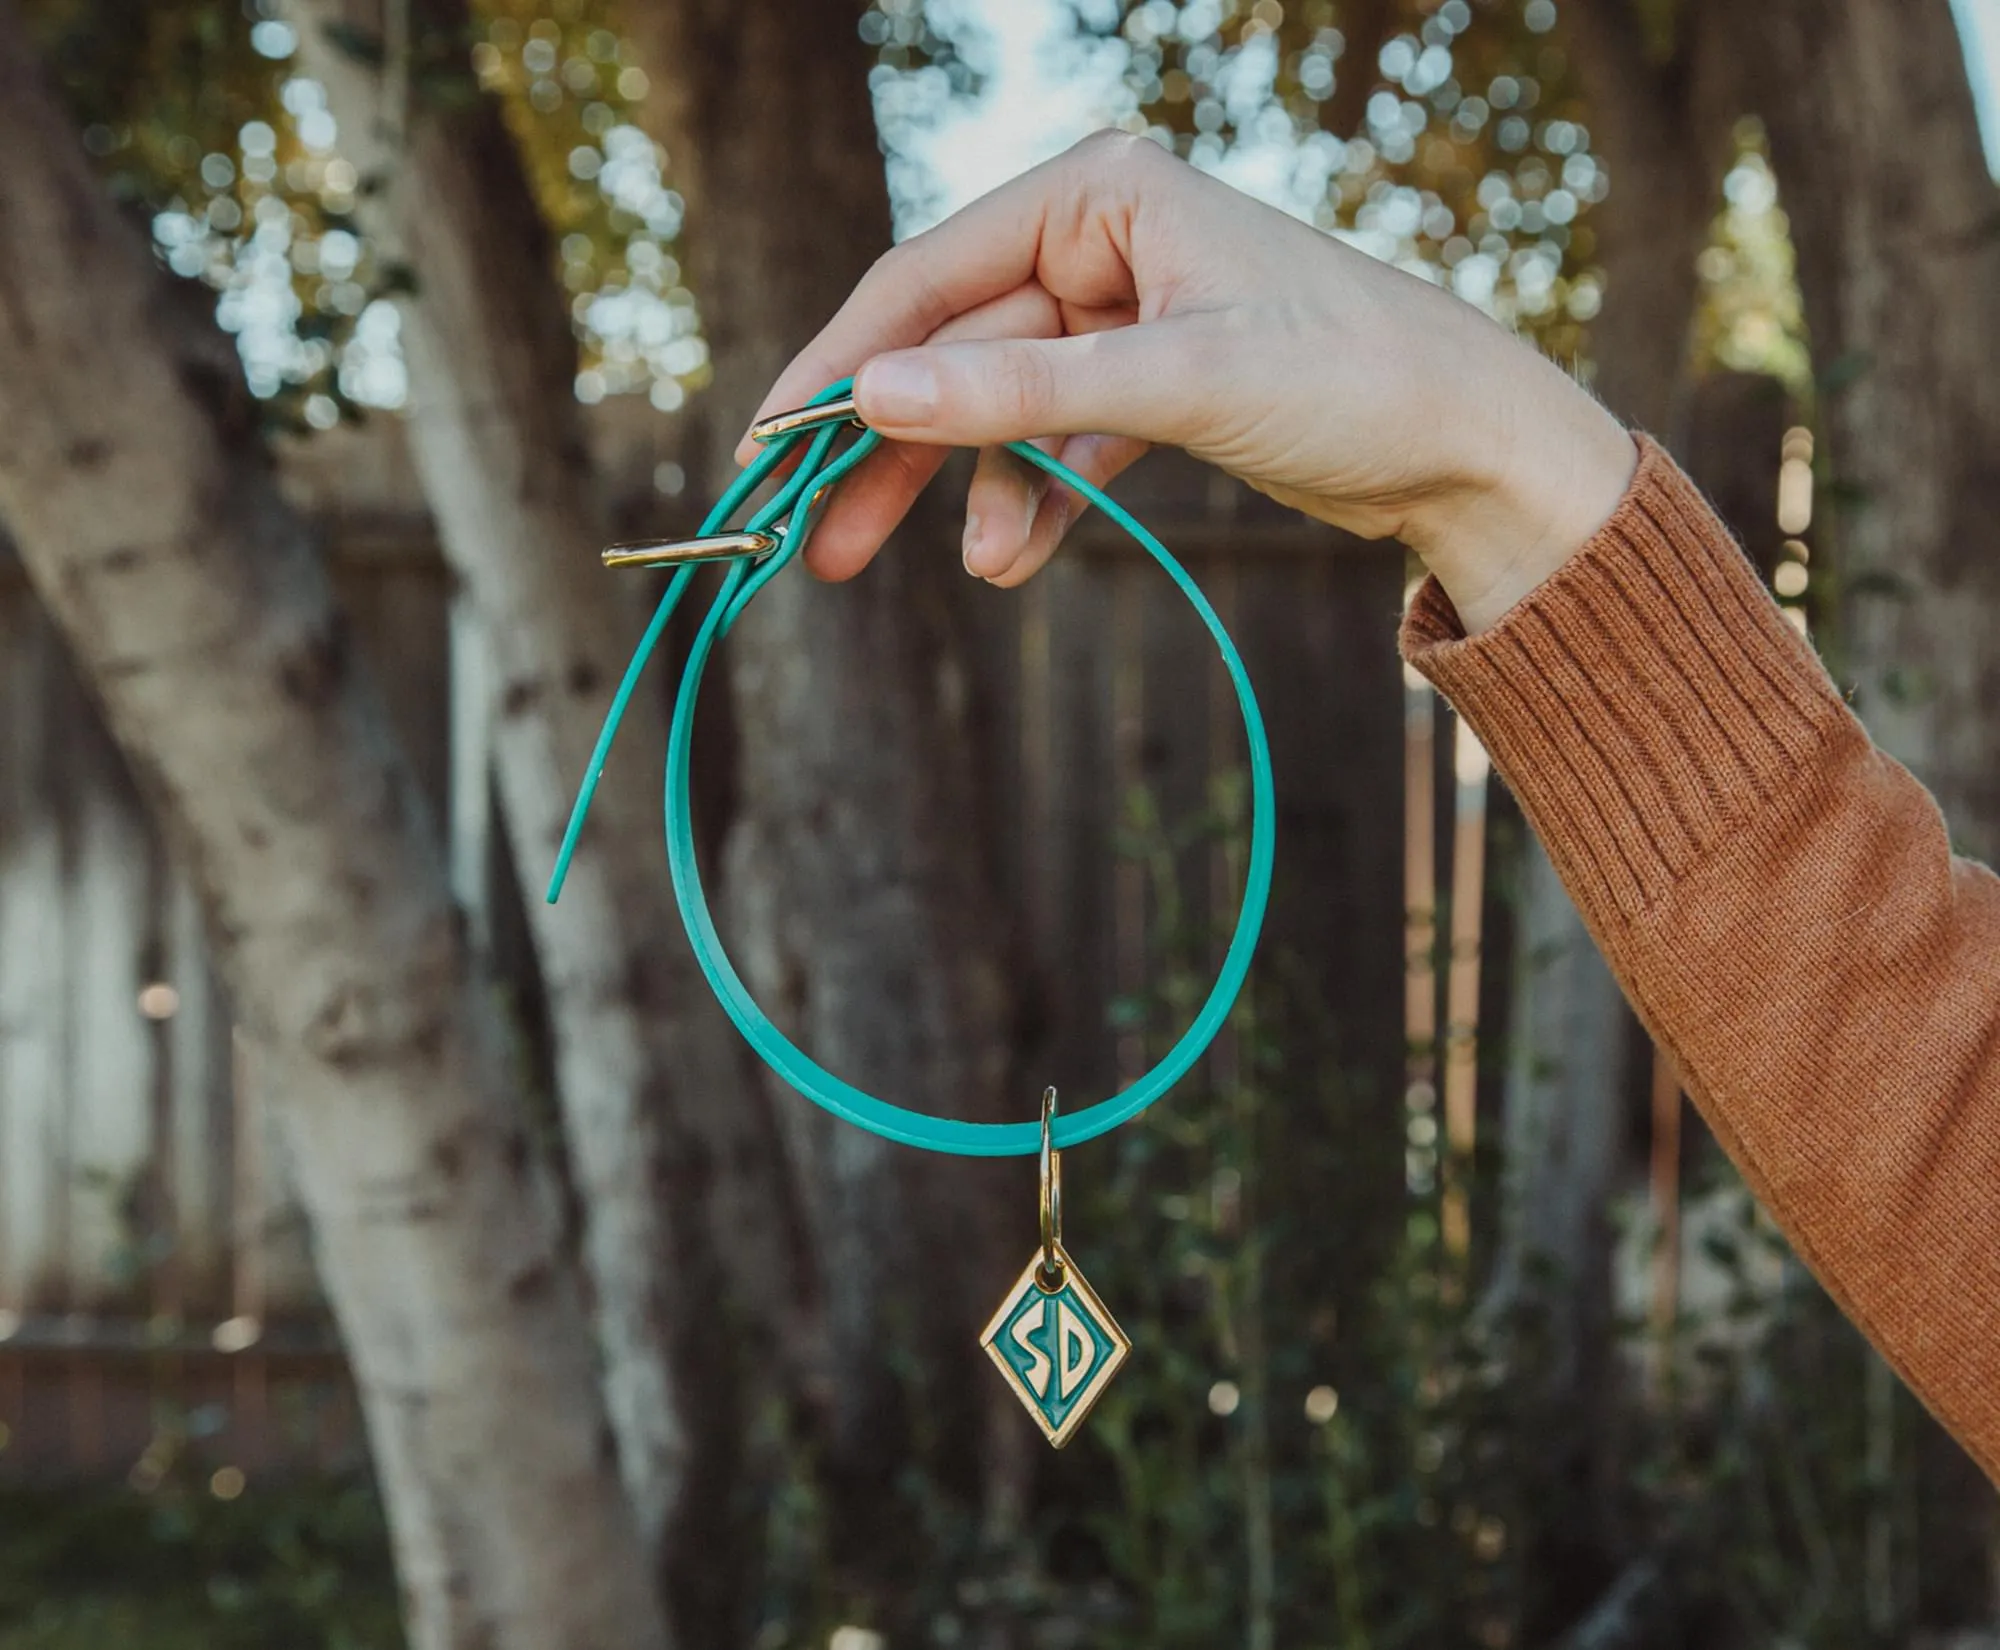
point(1056, 1344)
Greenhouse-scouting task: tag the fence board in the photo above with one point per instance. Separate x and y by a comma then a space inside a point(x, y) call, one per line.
point(1319, 638)
point(194, 1281)
point(1066, 715)
point(1174, 763)
point(105, 1104)
point(33, 969)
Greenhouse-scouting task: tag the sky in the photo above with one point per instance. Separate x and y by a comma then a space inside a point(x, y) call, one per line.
point(1040, 94)
point(1979, 24)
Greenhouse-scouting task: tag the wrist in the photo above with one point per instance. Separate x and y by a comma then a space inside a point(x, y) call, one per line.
point(1534, 484)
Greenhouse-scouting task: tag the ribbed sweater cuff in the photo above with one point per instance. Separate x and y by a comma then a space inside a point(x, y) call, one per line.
point(1645, 701)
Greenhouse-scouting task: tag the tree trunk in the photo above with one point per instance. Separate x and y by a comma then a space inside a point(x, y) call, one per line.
point(1896, 219)
point(195, 604)
point(1662, 126)
point(1569, 1024)
point(1662, 123)
point(857, 873)
point(1896, 222)
point(674, 1151)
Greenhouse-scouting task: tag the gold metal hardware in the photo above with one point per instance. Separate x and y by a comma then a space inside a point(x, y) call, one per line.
point(679, 552)
point(807, 418)
point(1052, 1273)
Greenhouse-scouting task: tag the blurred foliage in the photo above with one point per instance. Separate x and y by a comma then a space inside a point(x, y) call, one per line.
point(304, 1566)
point(1468, 160)
point(569, 83)
point(1472, 162)
point(1798, 1493)
point(196, 117)
point(187, 111)
point(1313, 1449)
point(1469, 163)
point(174, 83)
point(1751, 317)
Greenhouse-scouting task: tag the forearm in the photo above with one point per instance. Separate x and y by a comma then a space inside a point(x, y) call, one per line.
point(1780, 903)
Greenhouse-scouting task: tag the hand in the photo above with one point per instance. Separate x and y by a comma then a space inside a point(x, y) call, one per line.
point(1115, 297)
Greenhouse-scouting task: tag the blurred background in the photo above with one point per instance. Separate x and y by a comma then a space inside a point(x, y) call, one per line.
point(388, 1258)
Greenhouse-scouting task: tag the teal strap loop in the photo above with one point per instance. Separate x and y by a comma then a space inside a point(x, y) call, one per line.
point(790, 513)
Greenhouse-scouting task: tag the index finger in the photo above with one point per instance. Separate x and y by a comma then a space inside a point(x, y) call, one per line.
point(991, 247)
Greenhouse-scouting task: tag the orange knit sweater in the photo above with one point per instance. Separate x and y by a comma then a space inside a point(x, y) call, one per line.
point(1781, 905)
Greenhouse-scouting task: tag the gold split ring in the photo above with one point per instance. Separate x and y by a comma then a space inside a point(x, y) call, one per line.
point(1051, 1277)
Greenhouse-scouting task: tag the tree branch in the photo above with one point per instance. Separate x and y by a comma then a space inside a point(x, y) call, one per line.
point(673, 1151)
point(1365, 26)
point(1628, 81)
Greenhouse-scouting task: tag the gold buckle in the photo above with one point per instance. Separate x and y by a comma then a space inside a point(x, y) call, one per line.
point(679, 552)
point(839, 410)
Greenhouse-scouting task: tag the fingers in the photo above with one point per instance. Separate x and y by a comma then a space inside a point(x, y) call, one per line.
point(868, 506)
point(1001, 507)
point(1063, 225)
point(983, 280)
point(1016, 515)
point(872, 501)
point(1130, 381)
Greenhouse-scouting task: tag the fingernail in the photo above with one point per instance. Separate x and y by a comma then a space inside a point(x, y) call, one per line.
point(983, 557)
point(897, 389)
point(970, 542)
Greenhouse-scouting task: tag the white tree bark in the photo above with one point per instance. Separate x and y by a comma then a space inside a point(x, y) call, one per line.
point(128, 479)
point(672, 1148)
point(1562, 1127)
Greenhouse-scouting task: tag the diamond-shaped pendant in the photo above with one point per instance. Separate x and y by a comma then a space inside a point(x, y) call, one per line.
point(1058, 1347)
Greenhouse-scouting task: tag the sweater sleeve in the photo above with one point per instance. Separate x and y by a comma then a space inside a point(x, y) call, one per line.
point(1779, 901)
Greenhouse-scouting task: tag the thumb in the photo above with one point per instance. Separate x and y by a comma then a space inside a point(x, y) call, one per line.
point(986, 393)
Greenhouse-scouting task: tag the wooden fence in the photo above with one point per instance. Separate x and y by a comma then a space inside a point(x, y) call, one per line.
point(152, 1261)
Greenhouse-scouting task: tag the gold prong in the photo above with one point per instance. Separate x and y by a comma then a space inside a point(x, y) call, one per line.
point(806, 418)
point(679, 552)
